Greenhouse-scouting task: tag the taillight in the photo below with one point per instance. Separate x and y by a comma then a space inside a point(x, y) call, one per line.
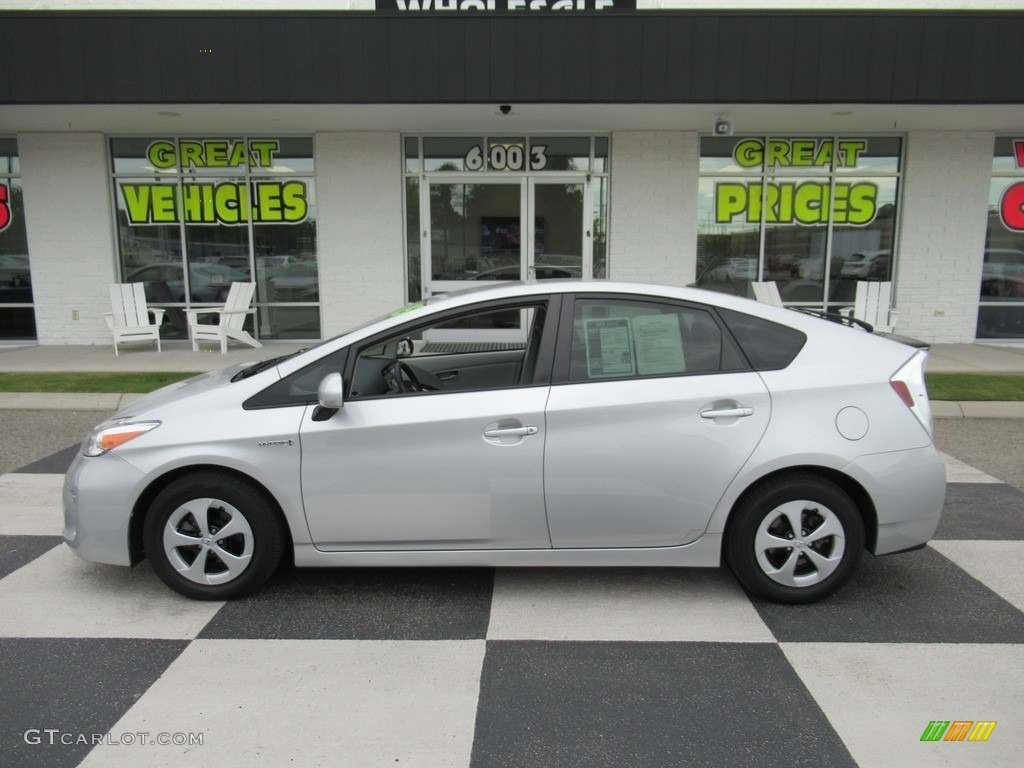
point(903, 391)
point(909, 384)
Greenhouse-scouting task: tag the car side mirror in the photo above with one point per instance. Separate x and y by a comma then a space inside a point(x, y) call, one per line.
point(331, 392)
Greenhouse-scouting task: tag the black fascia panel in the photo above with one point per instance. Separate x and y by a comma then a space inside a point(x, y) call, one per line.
point(631, 58)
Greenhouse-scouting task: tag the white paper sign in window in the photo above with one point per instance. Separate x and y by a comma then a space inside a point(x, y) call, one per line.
point(659, 345)
point(609, 348)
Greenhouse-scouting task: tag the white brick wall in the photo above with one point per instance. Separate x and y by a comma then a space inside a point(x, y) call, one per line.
point(70, 240)
point(360, 238)
point(944, 217)
point(653, 233)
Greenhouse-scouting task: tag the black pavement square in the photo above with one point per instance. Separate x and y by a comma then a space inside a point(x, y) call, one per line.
point(17, 551)
point(78, 688)
point(592, 704)
point(54, 464)
point(362, 604)
point(914, 597)
point(982, 511)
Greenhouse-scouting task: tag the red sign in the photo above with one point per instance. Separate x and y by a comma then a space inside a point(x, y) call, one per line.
point(5, 207)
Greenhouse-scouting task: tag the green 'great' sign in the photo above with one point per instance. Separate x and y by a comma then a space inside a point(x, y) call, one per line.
point(806, 202)
point(229, 202)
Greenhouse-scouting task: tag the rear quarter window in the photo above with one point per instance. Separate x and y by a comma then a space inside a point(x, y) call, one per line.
point(768, 346)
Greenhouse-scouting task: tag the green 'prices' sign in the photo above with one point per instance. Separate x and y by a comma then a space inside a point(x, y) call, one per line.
point(797, 202)
point(232, 202)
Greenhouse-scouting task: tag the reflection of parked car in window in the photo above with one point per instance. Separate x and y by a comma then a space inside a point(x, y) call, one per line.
point(733, 269)
point(512, 272)
point(1002, 262)
point(296, 282)
point(14, 272)
point(208, 281)
point(810, 268)
point(867, 264)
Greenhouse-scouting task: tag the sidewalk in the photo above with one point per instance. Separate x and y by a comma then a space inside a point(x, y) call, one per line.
point(178, 356)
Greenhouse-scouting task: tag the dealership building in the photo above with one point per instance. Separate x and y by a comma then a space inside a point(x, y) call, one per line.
point(351, 157)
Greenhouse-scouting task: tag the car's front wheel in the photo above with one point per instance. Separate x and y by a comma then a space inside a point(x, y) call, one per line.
point(795, 539)
point(211, 536)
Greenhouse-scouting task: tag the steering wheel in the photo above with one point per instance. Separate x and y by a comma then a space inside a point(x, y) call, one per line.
point(399, 377)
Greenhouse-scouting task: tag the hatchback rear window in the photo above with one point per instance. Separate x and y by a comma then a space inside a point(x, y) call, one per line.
point(767, 345)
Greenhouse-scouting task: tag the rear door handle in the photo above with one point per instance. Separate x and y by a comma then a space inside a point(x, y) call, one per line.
point(727, 413)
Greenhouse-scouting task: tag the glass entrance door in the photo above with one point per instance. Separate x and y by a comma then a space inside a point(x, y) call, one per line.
point(475, 233)
point(503, 229)
point(559, 237)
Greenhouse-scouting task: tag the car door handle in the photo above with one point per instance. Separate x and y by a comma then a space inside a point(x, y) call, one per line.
point(727, 413)
point(511, 431)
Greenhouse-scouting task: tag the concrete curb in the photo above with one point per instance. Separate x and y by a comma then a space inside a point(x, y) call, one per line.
point(110, 401)
point(948, 409)
point(65, 401)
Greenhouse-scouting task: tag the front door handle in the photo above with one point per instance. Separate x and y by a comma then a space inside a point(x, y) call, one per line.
point(727, 413)
point(498, 432)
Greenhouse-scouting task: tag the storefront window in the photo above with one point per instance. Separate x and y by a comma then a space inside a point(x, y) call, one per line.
point(17, 316)
point(1001, 309)
point(197, 214)
point(813, 214)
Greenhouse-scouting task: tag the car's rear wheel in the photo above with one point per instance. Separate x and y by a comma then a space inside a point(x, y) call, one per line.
point(795, 539)
point(211, 536)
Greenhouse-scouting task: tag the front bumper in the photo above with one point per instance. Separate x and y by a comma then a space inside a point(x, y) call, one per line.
point(99, 493)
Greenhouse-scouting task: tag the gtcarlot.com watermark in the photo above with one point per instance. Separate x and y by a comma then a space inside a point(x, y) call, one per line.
point(55, 736)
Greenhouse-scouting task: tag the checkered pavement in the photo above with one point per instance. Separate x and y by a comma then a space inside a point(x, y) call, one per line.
point(513, 667)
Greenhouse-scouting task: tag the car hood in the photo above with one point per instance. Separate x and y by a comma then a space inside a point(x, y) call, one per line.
point(181, 390)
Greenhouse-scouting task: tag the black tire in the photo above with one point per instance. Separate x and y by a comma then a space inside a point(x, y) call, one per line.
point(808, 564)
point(198, 507)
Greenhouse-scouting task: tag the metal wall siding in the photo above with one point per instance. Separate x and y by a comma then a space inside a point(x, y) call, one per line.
point(640, 58)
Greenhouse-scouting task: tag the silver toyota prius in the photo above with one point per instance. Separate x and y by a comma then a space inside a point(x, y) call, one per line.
point(548, 424)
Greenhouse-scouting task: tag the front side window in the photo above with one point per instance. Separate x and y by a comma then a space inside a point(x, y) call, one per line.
point(621, 338)
point(1001, 310)
point(197, 214)
point(493, 348)
point(813, 214)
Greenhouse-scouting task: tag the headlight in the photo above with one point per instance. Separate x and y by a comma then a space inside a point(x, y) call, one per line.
point(111, 434)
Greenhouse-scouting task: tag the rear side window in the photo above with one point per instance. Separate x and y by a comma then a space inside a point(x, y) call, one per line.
point(767, 345)
point(625, 339)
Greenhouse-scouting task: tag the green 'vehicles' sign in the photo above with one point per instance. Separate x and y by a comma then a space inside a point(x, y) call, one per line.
point(797, 202)
point(230, 202)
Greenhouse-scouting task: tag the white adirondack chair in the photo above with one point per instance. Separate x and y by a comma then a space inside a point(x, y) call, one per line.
point(767, 293)
point(872, 304)
point(230, 319)
point(129, 318)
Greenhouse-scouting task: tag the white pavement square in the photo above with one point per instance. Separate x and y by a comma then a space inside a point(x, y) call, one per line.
point(310, 703)
point(999, 565)
point(30, 505)
point(880, 698)
point(60, 595)
point(622, 604)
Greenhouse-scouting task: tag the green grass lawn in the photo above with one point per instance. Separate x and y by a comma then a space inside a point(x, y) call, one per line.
point(975, 386)
point(941, 386)
point(88, 382)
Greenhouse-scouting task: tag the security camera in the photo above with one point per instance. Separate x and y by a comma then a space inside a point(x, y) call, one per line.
point(505, 108)
point(723, 127)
